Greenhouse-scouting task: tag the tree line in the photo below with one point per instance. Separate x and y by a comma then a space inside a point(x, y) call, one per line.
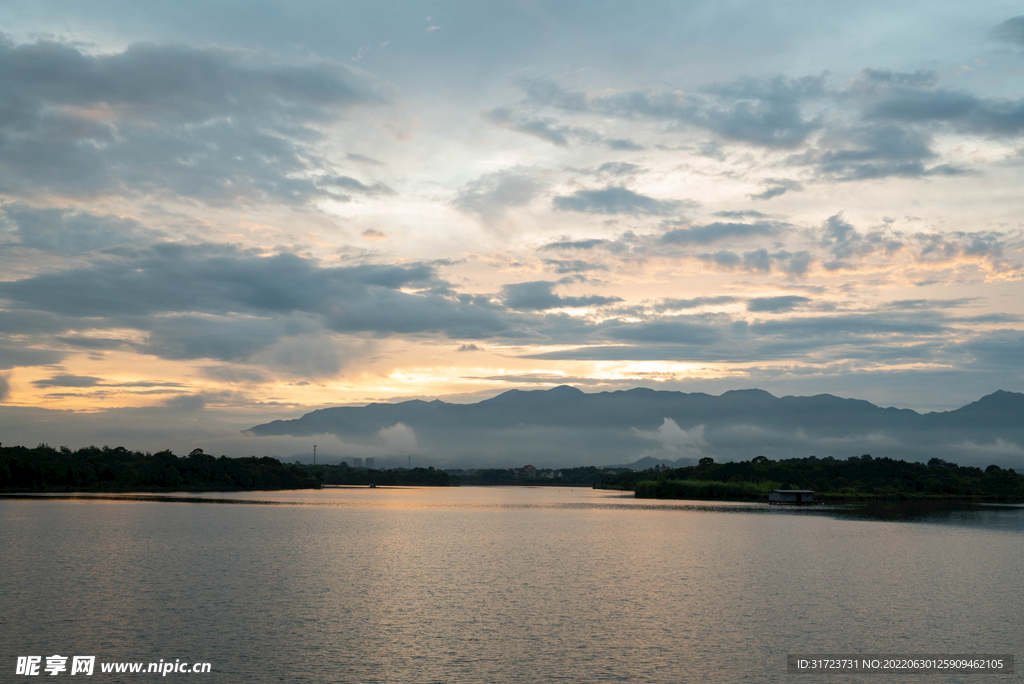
point(586, 475)
point(343, 474)
point(46, 469)
point(858, 477)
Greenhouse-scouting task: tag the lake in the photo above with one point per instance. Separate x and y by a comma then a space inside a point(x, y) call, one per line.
point(495, 584)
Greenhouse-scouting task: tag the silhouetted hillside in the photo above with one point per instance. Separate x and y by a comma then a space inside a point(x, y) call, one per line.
point(566, 427)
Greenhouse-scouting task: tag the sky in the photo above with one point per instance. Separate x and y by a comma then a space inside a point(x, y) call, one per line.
point(216, 214)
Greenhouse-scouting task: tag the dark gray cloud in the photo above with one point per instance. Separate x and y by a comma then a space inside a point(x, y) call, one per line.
point(855, 325)
point(893, 98)
point(363, 159)
point(213, 279)
point(73, 232)
point(211, 124)
point(987, 116)
point(878, 151)
point(186, 403)
point(761, 261)
point(94, 343)
point(68, 381)
point(997, 349)
point(765, 112)
point(587, 244)
point(616, 169)
point(686, 330)
point(744, 214)
point(617, 200)
point(573, 265)
point(352, 185)
point(847, 246)
point(988, 246)
point(491, 195)
point(774, 187)
point(539, 296)
point(723, 259)
point(5, 388)
point(224, 338)
point(550, 130)
point(713, 232)
point(929, 304)
point(14, 354)
point(1011, 30)
point(219, 302)
point(545, 129)
point(922, 78)
point(776, 304)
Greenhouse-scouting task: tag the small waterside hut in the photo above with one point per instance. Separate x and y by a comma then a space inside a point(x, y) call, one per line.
point(791, 496)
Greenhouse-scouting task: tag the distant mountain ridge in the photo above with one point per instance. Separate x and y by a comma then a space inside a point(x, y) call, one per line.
point(630, 424)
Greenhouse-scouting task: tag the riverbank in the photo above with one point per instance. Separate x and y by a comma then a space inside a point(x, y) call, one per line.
point(857, 479)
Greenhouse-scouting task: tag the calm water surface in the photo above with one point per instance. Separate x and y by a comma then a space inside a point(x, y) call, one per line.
point(500, 585)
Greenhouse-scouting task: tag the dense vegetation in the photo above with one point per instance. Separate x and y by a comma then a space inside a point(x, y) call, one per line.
point(858, 477)
point(344, 475)
point(45, 469)
point(589, 475)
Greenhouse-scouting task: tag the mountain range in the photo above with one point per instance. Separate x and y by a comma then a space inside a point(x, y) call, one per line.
point(564, 426)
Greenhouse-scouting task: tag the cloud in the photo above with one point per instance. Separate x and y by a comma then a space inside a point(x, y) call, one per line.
point(207, 278)
point(676, 440)
point(545, 129)
point(775, 187)
point(587, 244)
point(68, 381)
point(764, 112)
point(776, 304)
point(186, 403)
point(795, 264)
point(688, 330)
point(573, 265)
point(877, 151)
point(353, 185)
point(996, 349)
point(1011, 31)
point(859, 325)
point(5, 388)
point(314, 355)
point(221, 302)
point(617, 200)
point(73, 232)
point(538, 296)
point(677, 304)
point(214, 125)
point(969, 113)
point(491, 195)
point(399, 439)
point(713, 232)
point(549, 130)
point(15, 355)
point(987, 247)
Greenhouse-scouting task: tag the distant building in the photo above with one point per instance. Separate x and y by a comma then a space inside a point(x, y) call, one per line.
point(369, 463)
point(793, 496)
point(525, 471)
point(357, 463)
